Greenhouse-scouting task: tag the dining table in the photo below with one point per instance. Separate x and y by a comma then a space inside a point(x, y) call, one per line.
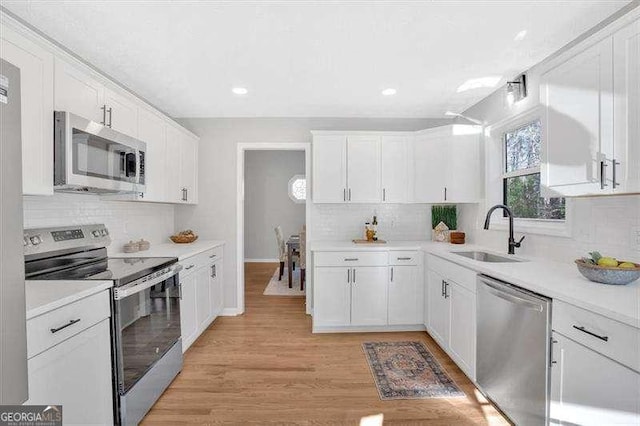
point(293, 246)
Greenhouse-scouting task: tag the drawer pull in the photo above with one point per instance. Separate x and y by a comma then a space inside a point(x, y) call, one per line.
point(351, 259)
point(212, 256)
point(190, 266)
point(404, 258)
point(62, 327)
point(591, 333)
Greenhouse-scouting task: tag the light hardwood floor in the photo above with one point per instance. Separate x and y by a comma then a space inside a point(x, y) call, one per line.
point(265, 367)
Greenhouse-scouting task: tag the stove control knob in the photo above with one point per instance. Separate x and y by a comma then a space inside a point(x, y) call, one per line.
point(96, 233)
point(35, 240)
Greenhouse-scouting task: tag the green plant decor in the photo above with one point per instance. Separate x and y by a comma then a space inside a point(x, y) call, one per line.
point(446, 214)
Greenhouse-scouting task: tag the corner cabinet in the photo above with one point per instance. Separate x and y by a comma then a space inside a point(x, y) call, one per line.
point(591, 113)
point(367, 291)
point(201, 286)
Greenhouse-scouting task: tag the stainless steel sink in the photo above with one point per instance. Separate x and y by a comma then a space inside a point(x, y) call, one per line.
point(483, 256)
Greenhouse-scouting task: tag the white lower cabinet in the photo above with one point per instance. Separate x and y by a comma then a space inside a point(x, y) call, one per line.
point(462, 331)
point(369, 295)
point(201, 281)
point(405, 295)
point(332, 296)
point(438, 310)
point(74, 370)
point(588, 388)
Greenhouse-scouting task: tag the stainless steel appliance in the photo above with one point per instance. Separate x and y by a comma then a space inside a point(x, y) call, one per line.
point(146, 340)
point(513, 350)
point(13, 317)
point(91, 157)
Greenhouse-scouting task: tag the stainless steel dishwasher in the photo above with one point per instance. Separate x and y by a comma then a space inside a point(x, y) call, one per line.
point(513, 350)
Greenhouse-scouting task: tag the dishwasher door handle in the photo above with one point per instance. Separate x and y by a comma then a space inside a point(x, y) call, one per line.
point(515, 299)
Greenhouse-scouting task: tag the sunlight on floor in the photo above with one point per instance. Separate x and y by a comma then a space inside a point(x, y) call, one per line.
point(374, 420)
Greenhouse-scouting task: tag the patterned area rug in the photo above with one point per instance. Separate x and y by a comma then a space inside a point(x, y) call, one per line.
point(407, 370)
point(281, 288)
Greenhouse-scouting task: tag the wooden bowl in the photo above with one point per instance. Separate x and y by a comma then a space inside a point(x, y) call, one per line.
point(183, 239)
point(608, 274)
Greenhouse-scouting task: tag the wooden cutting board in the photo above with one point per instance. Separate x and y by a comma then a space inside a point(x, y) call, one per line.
point(369, 242)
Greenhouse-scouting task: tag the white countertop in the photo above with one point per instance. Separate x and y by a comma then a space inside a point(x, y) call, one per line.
point(181, 251)
point(45, 296)
point(556, 280)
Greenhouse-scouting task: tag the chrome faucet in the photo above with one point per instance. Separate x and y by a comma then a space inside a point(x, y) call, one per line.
point(512, 242)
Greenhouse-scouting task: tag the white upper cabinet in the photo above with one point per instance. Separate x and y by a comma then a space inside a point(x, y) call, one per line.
point(122, 112)
point(181, 167)
point(329, 169)
point(394, 155)
point(36, 97)
point(79, 91)
point(445, 165)
point(363, 169)
point(626, 84)
point(151, 130)
point(189, 168)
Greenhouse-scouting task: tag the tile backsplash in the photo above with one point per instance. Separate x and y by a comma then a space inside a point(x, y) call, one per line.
point(395, 221)
point(125, 220)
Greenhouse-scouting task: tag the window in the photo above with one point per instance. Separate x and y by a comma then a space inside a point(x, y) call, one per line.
point(298, 188)
point(521, 176)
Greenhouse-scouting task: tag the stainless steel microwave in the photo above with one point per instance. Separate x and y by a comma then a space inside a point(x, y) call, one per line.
point(92, 158)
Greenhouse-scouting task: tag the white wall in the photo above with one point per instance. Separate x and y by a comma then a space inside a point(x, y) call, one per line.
point(610, 225)
point(125, 220)
point(267, 201)
point(215, 215)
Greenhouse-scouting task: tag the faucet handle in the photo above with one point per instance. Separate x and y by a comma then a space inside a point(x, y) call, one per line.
point(519, 242)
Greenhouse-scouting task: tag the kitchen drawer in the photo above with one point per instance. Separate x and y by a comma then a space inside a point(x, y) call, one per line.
point(200, 260)
point(622, 342)
point(214, 254)
point(351, 258)
point(76, 316)
point(453, 272)
point(399, 258)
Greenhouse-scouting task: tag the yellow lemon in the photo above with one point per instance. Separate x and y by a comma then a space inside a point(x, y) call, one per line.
point(607, 261)
point(626, 265)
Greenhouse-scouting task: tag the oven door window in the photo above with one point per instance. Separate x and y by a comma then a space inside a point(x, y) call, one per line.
point(98, 157)
point(148, 325)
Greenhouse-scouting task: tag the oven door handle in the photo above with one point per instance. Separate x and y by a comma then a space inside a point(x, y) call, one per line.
point(137, 286)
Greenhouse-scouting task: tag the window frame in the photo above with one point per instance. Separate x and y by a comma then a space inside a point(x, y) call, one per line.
point(290, 188)
point(496, 175)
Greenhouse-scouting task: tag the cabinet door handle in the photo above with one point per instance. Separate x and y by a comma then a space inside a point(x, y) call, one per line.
point(392, 274)
point(384, 194)
point(180, 290)
point(446, 290)
point(354, 276)
point(350, 259)
point(104, 115)
point(442, 289)
point(404, 258)
point(212, 273)
point(344, 194)
point(603, 182)
point(62, 327)
point(212, 256)
point(190, 266)
point(110, 111)
point(445, 193)
point(348, 276)
point(349, 194)
point(591, 333)
point(613, 173)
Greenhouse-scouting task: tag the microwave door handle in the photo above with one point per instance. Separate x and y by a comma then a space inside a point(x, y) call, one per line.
point(131, 167)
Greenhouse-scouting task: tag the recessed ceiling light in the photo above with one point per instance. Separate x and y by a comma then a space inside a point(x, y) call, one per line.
point(240, 90)
point(521, 35)
point(389, 92)
point(478, 83)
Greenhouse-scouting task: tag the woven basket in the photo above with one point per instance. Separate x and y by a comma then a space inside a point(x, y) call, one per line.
point(183, 239)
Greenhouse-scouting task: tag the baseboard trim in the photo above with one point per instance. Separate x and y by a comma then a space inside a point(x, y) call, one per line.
point(261, 261)
point(230, 312)
point(367, 328)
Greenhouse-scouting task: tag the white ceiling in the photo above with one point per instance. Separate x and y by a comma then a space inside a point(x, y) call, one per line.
point(311, 59)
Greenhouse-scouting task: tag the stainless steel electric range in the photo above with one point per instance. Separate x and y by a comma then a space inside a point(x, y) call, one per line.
point(145, 308)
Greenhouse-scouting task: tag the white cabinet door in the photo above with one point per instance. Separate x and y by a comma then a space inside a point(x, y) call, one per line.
point(463, 171)
point(590, 389)
point(438, 310)
point(36, 98)
point(332, 296)
point(329, 169)
point(363, 169)
point(76, 374)
point(189, 168)
point(78, 92)
point(369, 295)
point(462, 331)
point(626, 68)
point(203, 298)
point(122, 113)
point(151, 130)
point(577, 122)
point(215, 289)
point(394, 168)
point(405, 295)
point(428, 169)
point(188, 308)
point(173, 161)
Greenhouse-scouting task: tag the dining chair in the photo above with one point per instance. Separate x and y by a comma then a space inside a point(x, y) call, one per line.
point(303, 256)
point(282, 252)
